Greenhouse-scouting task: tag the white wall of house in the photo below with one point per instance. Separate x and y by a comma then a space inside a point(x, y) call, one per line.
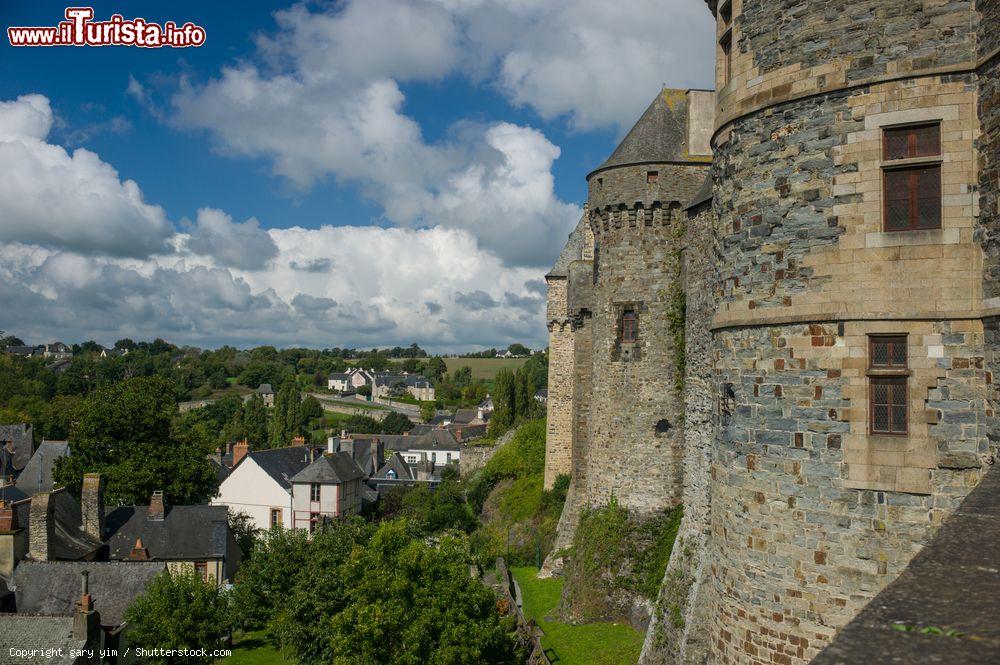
point(338, 384)
point(249, 489)
point(440, 457)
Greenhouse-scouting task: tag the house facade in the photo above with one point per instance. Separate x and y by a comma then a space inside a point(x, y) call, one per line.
point(259, 484)
point(329, 488)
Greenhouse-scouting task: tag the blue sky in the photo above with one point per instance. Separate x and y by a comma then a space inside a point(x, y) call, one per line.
point(358, 173)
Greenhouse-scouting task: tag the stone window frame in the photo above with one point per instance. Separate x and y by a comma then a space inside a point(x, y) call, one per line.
point(725, 44)
point(911, 164)
point(279, 512)
point(890, 372)
point(622, 350)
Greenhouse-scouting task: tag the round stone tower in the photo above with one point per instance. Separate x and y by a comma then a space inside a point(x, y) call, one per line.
point(635, 420)
point(851, 341)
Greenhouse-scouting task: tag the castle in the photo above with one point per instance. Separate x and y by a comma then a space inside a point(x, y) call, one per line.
point(781, 308)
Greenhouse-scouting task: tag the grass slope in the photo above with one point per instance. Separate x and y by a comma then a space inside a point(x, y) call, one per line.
point(586, 644)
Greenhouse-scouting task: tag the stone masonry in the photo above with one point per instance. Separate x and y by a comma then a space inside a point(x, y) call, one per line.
point(796, 513)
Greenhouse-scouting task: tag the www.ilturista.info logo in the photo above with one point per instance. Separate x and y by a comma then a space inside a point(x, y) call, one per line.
point(79, 29)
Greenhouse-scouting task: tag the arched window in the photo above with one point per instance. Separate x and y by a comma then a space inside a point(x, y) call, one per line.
point(630, 326)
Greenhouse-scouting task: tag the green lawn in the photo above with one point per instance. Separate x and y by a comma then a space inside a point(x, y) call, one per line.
point(484, 368)
point(254, 649)
point(589, 644)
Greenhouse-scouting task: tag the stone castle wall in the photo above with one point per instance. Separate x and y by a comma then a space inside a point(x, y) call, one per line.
point(636, 410)
point(811, 515)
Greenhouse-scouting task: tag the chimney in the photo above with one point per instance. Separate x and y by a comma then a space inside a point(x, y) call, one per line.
point(240, 451)
point(299, 440)
point(157, 507)
point(343, 434)
point(86, 622)
point(312, 454)
point(376, 450)
point(41, 527)
point(229, 449)
point(13, 540)
point(331, 447)
point(139, 551)
point(92, 505)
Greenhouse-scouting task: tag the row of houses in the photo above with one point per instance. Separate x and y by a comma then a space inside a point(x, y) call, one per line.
point(383, 384)
point(302, 485)
point(52, 351)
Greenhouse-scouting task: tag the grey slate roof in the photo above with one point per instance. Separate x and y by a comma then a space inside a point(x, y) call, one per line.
point(705, 193)
point(463, 416)
point(281, 463)
point(330, 468)
point(339, 376)
point(37, 474)
point(51, 588)
point(41, 633)
point(71, 543)
point(265, 389)
point(398, 464)
point(660, 135)
point(19, 443)
point(573, 251)
point(185, 532)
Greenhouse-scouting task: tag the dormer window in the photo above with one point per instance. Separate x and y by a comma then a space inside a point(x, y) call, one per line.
point(390, 474)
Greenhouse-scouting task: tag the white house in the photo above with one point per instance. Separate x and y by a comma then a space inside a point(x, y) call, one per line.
point(328, 488)
point(260, 482)
point(340, 381)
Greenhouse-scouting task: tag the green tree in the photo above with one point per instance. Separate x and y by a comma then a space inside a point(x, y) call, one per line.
point(397, 600)
point(179, 611)
point(124, 432)
point(504, 402)
point(255, 420)
point(311, 410)
point(286, 419)
point(427, 411)
point(524, 396)
point(365, 390)
point(435, 368)
point(245, 531)
point(395, 423)
point(264, 580)
point(519, 350)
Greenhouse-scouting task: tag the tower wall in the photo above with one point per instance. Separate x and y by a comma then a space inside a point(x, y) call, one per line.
point(559, 406)
point(636, 413)
point(811, 514)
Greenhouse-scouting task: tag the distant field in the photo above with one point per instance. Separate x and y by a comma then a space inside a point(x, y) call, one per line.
point(484, 368)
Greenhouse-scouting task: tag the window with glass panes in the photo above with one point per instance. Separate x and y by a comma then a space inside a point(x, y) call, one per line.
point(888, 377)
point(912, 189)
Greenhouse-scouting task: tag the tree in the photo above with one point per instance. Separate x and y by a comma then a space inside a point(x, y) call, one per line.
point(124, 432)
point(395, 423)
point(427, 411)
point(411, 365)
point(286, 420)
point(462, 377)
point(519, 350)
point(311, 410)
point(435, 368)
point(262, 582)
point(255, 420)
point(244, 531)
point(365, 390)
point(395, 585)
point(179, 611)
point(524, 398)
point(504, 402)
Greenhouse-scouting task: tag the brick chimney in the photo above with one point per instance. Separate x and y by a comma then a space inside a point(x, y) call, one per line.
point(240, 451)
point(139, 551)
point(299, 440)
point(157, 507)
point(41, 527)
point(92, 505)
point(86, 621)
point(13, 540)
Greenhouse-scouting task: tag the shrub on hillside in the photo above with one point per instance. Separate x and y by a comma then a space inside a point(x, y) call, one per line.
point(523, 456)
point(617, 556)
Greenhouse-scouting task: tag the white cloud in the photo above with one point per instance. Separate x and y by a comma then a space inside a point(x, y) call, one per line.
point(244, 245)
point(51, 198)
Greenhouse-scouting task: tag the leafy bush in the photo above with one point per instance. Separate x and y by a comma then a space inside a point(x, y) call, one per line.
point(523, 456)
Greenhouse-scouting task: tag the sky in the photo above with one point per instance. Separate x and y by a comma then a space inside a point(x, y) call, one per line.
point(358, 173)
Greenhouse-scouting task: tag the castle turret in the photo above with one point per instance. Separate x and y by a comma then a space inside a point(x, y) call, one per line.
point(616, 317)
point(852, 338)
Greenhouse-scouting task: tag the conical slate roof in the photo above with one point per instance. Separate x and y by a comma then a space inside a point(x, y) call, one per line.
point(660, 135)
